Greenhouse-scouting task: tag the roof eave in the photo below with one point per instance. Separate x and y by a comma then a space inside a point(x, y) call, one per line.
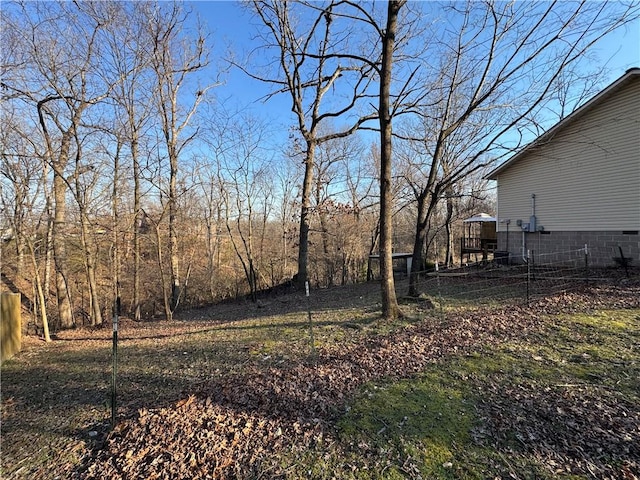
point(599, 97)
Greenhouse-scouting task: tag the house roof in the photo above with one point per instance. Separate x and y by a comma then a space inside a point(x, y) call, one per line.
point(630, 75)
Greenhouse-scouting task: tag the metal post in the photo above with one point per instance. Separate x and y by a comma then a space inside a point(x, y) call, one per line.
point(586, 262)
point(528, 275)
point(114, 357)
point(532, 262)
point(313, 343)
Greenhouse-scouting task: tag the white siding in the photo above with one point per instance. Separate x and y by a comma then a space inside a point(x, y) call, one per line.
point(586, 178)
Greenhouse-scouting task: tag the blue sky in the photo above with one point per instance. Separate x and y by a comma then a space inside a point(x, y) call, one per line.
point(230, 25)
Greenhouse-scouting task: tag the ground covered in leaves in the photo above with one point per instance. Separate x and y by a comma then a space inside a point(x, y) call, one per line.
point(544, 390)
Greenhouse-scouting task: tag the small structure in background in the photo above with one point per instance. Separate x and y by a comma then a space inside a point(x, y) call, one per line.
point(401, 263)
point(479, 237)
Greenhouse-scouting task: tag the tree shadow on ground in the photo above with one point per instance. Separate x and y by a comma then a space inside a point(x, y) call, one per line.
point(187, 384)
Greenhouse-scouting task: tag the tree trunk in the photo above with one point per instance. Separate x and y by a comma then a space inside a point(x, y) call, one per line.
point(324, 233)
point(425, 211)
point(303, 248)
point(210, 255)
point(48, 248)
point(448, 259)
point(18, 222)
point(137, 220)
point(419, 241)
point(248, 246)
point(89, 258)
point(173, 234)
point(65, 316)
point(390, 309)
point(375, 238)
point(165, 294)
point(40, 292)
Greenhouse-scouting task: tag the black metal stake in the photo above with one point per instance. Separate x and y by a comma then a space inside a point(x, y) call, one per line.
point(114, 357)
point(625, 261)
point(586, 262)
point(313, 343)
point(528, 276)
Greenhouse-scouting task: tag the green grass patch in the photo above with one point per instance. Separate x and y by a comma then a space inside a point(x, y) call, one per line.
point(420, 422)
point(434, 425)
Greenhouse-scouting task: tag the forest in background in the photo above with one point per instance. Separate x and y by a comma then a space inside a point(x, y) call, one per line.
point(127, 179)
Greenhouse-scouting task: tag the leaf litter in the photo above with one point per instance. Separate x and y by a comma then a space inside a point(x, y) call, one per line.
point(239, 425)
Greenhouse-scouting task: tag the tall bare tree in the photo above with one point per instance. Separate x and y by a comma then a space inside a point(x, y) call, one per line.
point(212, 206)
point(20, 170)
point(307, 74)
point(22, 204)
point(244, 173)
point(393, 98)
point(83, 184)
point(129, 58)
point(287, 180)
point(175, 60)
point(390, 309)
point(62, 46)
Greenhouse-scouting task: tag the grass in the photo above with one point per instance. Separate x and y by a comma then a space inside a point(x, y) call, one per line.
point(421, 422)
point(471, 415)
point(429, 426)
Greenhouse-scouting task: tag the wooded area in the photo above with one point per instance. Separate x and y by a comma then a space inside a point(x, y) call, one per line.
point(128, 183)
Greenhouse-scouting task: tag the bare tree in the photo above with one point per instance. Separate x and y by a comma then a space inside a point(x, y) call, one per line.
point(20, 167)
point(390, 309)
point(244, 173)
point(20, 170)
point(375, 57)
point(389, 104)
point(332, 196)
point(307, 74)
point(129, 58)
point(83, 183)
point(361, 182)
point(212, 208)
point(62, 83)
point(287, 180)
point(175, 59)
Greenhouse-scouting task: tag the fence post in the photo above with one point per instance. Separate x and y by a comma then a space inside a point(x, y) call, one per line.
point(528, 275)
point(586, 263)
point(10, 325)
point(532, 262)
point(439, 291)
point(114, 368)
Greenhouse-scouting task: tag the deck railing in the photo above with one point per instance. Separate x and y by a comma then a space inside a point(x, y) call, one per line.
point(477, 244)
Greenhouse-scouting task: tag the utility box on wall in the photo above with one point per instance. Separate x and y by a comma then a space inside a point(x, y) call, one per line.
point(10, 325)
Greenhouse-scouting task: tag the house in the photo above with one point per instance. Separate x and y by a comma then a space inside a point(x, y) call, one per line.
point(577, 184)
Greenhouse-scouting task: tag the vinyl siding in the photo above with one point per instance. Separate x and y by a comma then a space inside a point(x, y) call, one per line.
point(585, 178)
